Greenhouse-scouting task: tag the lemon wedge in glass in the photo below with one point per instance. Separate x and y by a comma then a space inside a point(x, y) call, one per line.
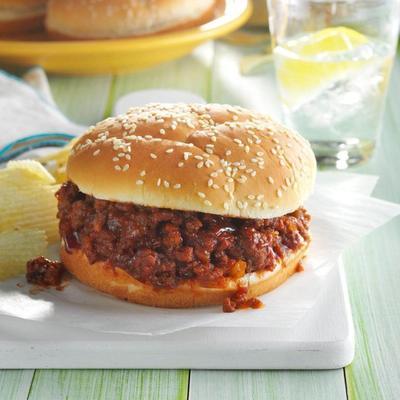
point(306, 63)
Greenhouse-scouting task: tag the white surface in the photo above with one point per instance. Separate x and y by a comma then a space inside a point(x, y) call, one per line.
point(337, 222)
point(323, 340)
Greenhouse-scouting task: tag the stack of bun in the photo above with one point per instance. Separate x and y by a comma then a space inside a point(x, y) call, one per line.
point(102, 19)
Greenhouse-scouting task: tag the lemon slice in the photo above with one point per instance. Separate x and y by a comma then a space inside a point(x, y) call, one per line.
point(307, 63)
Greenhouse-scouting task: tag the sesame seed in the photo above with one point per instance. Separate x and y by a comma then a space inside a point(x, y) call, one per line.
point(226, 188)
point(121, 154)
point(149, 137)
point(125, 168)
point(235, 117)
point(198, 157)
point(282, 163)
point(96, 152)
point(200, 164)
point(166, 184)
point(213, 138)
point(228, 153)
point(215, 186)
point(158, 181)
point(258, 204)
point(118, 168)
point(207, 203)
point(115, 159)
point(239, 204)
point(143, 173)
point(247, 149)
point(177, 186)
point(251, 197)
point(273, 151)
point(139, 182)
point(270, 179)
point(153, 156)
point(260, 153)
point(279, 193)
point(230, 180)
point(210, 182)
point(226, 205)
point(186, 155)
point(254, 173)
point(162, 131)
point(201, 194)
point(169, 151)
point(260, 197)
point(181, 164)
point(127, 156)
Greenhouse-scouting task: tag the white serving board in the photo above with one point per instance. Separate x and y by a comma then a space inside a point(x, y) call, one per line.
point(324, 339)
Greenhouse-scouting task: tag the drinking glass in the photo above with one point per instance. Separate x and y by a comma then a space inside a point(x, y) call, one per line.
point(333, 60)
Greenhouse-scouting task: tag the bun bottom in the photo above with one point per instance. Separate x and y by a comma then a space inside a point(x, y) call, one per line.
point(118, 283)
point(22, 25)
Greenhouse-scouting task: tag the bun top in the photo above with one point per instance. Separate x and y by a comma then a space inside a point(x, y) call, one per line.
point(216, 159)
point(96, 19)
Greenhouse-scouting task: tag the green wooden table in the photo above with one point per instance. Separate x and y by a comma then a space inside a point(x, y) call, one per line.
point(372, 266)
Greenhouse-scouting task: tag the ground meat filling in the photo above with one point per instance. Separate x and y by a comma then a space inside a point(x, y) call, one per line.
point(167, 247)
point(44, 272)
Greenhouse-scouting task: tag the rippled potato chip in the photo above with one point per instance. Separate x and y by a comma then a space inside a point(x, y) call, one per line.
point(27, 200)
point(17, 247)
point(27, 169)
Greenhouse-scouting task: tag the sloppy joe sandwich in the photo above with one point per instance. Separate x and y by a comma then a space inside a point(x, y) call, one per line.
point(179, 205)
point(18, 16)
point(102, 19)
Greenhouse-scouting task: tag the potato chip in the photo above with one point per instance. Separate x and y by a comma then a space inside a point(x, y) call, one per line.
point(16, 248)
point(56, 162)
point(30, 168)
point(32, 206)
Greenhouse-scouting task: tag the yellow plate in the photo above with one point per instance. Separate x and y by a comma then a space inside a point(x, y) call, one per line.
point(122, 55)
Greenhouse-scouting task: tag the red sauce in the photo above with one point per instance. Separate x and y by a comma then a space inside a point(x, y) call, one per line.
point(44, 272)
point(240, 300)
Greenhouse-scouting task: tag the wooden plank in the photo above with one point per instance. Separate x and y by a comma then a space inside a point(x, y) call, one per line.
point(191, 73)
point(263, 385)
point(109, 384)
point(373, 276)
point(15, 384)
point(82, 99)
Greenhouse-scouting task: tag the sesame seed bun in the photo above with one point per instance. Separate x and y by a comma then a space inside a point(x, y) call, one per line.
point(100, 19)
point(213, 158)
point(118, 283)
point(18, 16)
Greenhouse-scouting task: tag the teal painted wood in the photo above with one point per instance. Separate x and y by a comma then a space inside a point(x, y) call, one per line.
point(371, 265)
point(374, 275)
point(266, 385)
point(109, 385)
point(189, 73)
point(82, 99)
point(15, 384)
